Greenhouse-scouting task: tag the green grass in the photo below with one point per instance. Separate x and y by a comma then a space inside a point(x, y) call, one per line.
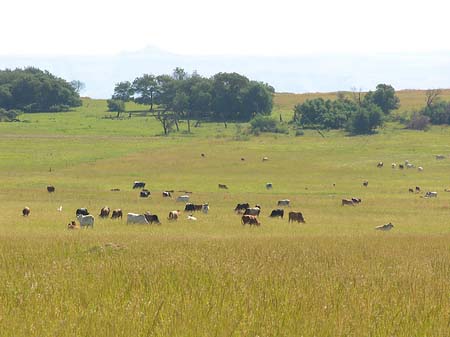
point(333, 276)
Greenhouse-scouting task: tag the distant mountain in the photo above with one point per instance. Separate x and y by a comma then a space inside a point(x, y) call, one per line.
point(299, 74)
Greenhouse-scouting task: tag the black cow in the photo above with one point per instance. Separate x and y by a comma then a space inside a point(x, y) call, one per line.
point(277, 213)
point(138, 184)
point(241, 207)
point(82, 211)
point(50, 189)
point(151, 218)
point(144, 194)
point(166, 194)
point(189, 207)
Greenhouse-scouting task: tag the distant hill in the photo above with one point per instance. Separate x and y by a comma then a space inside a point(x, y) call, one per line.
point(307, 73)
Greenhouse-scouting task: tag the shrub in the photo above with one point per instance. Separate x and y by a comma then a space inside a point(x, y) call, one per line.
point(266, 124)
point(366, 120)
point(418, 121)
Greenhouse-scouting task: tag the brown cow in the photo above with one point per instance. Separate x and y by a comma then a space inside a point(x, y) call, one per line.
point(251, 220)
point(173, 215)
point(347, 202)
point(26, 211)
point(116, 213)
point(104, 212)
point(296, 216)
point(72, 225)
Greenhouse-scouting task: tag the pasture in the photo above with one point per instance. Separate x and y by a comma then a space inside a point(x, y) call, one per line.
point(335, 275)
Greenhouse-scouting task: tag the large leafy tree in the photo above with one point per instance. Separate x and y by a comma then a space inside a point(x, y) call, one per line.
point(144, 89)
point(123, 91)
point(384, 96)
point(32, 90)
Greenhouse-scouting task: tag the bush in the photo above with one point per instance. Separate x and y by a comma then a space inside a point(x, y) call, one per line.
point(116, 105)
point(418, 121)
point(9, 115)
point(266, 124)
point(366, 120)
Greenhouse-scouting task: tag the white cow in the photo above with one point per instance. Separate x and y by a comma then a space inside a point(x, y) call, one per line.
point(393, 165)
point(183, 198)
point(409, 165)
point(191, 217)
point(386, 227)
point(136, 218)
point(85, 220)
point(205, 208)
point(173, 215)
point(284, 202)
point(420, 168)
point(430, 195)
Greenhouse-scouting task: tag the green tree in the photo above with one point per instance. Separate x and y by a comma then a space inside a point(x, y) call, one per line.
point(123, 91)
point(144, 88)
point(116, 105)
point(365, 120)
point(78, 86)
point(384, 96)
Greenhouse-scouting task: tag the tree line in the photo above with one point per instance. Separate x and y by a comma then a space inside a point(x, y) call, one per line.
point(358, 114)
point(33, 90)
point(181, 96)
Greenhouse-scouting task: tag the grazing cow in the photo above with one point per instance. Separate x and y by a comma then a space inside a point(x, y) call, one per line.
point(183, 198)
point(401, 167)
point(277, 213)
point(347, 202)
point(191, 217)
point(356, 200)
point(265, 159)
point(430, 195)
point(284, 202)
point(296, 216)
point(411, 190)
point(447, 190)
point(26, 211)
point(242, 159)
point(104, 212)
point(269, 186)
point(136, 218)
point(205, 208)
point(250, 219)
point(144, 193)
point(203, 155)
point(417, 189)
point(138, 184)
point(189, 207)
point(440, 157)
point(420, 168)
point(222, 186)
point(380, 164)
point(82, 211)
point(198, 208)
point(253, 211)
point(166, 194)
point(365, 183)
point(72, 225)
point(115, 189)
point(241, 207)
point(151, 218)
point(409, 165)
point(386, 227)
point(173, 215)
point(393, 165)
point(116, 213)
point(85, 220)
point(50, 189)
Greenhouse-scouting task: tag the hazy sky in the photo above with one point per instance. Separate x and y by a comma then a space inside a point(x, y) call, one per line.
point(280, 27)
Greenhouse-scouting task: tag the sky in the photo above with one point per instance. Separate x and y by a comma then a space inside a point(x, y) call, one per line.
point(231, 27)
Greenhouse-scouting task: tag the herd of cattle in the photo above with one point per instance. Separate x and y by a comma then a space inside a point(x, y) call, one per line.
point(250, 215)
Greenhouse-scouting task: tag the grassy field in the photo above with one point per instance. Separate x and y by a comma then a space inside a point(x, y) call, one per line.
point(333, 276)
